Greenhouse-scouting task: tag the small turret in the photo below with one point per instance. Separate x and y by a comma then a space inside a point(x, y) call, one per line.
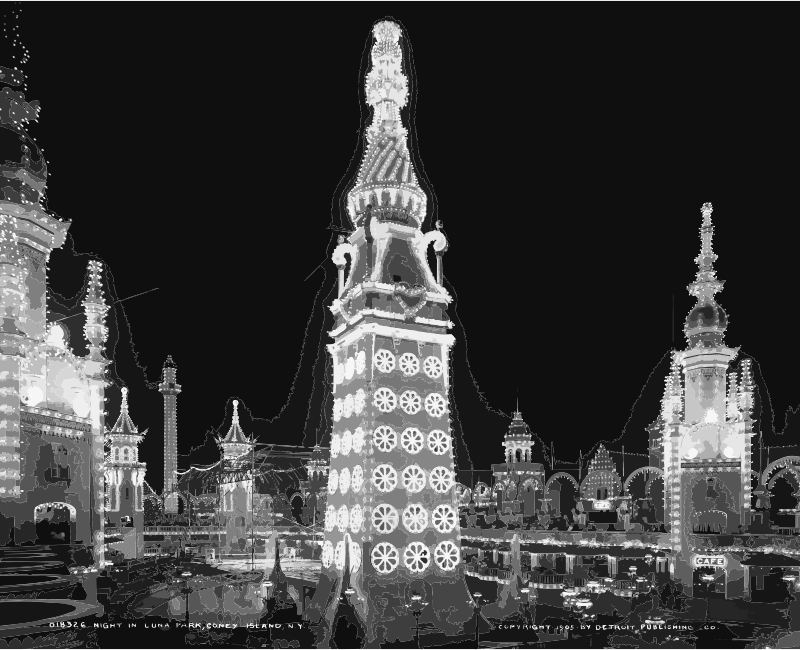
point(235, 443)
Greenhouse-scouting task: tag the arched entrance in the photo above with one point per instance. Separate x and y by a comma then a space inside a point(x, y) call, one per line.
point(55, 522)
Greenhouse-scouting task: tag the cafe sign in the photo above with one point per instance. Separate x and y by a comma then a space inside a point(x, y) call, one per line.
point(709, 561)
point(602, 505)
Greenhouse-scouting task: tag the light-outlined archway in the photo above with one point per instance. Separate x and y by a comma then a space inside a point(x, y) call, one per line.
point(42, 508)
point(790, 471)
point(482, 493)
point(781, 462)
point(558, 475)
point(647, 469)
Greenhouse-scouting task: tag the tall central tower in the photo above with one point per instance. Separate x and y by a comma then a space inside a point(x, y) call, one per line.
point(392, 506)
point(708, 426)
point(170, 390)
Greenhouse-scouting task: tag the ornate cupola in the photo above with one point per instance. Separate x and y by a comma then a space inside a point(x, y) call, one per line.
point(235, 444)
point(518, 441)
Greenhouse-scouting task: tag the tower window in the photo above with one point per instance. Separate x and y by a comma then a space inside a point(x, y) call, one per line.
point(127, 493)
point(116, 453)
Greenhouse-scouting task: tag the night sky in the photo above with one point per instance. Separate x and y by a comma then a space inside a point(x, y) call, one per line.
point(203, 151)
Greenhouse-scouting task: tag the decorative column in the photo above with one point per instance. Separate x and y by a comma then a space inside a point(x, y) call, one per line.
point(745, 403)
point(12, 301)
point(96, 334)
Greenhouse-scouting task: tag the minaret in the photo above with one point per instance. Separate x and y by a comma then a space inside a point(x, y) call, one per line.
point(236, 496)
point(95, 366)
point(391, 487)
point(706, 440)
point(125, 474)
point(170, 390)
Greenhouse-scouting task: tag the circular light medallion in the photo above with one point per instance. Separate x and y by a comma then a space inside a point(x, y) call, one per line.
point(347, 406)
point(446, 555)
point(359, 401)
point(338, 556)
point(409, 364)
point(358, 440)
point(327, 554)
point(412, 440)
point(357, 479)
point(349, 368)
point(441, 479)
point(342, 518)
point(432, 367)
point(347, 442)
point(385, 400)
point(384, 478)
point(344, 480)
point(435, 405)
point(385, 558)
point(415, 518)
point(438, 442)
point(330, 518)
point(410, 402)
point(444, 518)
point(356, 518)
point(413, 479)
point(385, 518)
point(333, 481)
point(384, 360)
point(385, 438)
point(416, 557)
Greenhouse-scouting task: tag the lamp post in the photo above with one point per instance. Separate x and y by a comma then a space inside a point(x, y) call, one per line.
point(476, 603)
point(266, 586)
point(526, 601)
point(708, 580)
point(416, 606)
point(186, 575)
point(788, 580)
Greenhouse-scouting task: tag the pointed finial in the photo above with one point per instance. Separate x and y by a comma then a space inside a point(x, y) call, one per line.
point(235, 411)
point(124, 399)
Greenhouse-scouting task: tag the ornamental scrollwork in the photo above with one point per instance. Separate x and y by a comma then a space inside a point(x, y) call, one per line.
point(707, 373)
point(37, 258)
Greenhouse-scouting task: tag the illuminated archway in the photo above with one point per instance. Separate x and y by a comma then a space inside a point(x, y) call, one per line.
point(649, 469)
point(786, 461)
point(569, 477)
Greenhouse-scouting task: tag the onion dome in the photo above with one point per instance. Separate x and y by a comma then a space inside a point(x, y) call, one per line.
point(386, 179)
point(518, 429)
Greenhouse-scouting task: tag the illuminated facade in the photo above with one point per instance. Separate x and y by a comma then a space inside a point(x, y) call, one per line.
point(52, 402)
point(124, 476)
point(391, 500)
point(170, 390)
point(707, 422)
point(519, 481)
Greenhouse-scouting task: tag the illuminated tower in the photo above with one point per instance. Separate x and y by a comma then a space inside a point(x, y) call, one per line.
point(391, 496)
point(707, 440)
point(170, 390)
point(236, 491)
point(125, 475)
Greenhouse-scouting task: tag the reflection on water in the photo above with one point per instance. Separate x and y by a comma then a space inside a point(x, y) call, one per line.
point(213, 599)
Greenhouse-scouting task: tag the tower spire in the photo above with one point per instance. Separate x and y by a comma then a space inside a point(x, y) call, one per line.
point(706, 324)
point(95, 309)
point(386, 179)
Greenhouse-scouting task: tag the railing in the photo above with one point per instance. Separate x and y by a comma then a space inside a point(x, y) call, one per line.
point(547, 579)
point(786, 530)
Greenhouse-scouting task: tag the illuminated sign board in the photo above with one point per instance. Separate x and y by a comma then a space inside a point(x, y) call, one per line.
point(602, 505)
point(710, 561)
